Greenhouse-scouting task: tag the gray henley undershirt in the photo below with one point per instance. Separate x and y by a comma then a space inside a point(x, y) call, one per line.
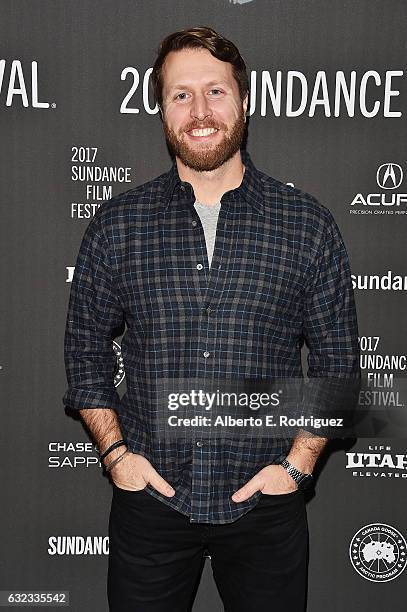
point(209, 219)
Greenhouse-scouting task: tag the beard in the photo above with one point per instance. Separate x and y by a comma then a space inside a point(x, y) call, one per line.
point(203, 157)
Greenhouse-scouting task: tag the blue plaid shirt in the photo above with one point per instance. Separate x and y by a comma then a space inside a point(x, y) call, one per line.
point(279, 276)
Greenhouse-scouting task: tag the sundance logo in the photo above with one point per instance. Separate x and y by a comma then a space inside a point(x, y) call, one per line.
point(78, 545)
point(385, 282)
point(19, 85)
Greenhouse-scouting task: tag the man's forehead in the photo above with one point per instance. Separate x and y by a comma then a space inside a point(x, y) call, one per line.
point(183, 69)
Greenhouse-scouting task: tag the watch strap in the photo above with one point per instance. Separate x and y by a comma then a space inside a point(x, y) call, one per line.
point(295, 473)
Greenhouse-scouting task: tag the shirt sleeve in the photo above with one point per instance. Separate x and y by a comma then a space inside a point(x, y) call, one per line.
point(94, 319)
point(330, 330)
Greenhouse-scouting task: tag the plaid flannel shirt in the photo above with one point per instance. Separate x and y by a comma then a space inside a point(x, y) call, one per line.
point(279, 276)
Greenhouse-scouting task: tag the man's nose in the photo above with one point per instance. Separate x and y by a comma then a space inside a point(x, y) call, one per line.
point(200, 108)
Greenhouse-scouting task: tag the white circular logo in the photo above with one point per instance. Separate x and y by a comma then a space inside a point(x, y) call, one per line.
point(389, 176)
point(378, 552)
point(119, 369)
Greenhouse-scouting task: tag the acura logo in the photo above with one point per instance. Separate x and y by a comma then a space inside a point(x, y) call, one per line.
point(389, 176)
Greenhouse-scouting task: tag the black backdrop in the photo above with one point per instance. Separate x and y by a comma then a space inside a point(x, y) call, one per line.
point(74, 93)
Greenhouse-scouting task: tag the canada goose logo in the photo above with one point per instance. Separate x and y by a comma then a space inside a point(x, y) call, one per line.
point(378, 552)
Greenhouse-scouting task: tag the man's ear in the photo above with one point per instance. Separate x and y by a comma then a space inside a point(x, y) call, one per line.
point(246, 103)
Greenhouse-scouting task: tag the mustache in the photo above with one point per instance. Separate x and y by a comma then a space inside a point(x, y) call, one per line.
point(202, 127)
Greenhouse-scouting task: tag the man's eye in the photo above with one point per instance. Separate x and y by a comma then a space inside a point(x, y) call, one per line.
point(177, 97)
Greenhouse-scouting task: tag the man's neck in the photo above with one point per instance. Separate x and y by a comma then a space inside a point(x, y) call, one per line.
point(210, 186)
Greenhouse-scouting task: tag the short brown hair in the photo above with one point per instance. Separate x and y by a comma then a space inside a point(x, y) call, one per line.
point(205, 38)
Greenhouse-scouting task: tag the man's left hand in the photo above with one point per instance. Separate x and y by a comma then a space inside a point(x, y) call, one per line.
point(271, 480)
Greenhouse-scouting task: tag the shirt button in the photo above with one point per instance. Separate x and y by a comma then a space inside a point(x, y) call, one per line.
point(206, 354)
point(209, 310)
point(199, 266)
point(182, 188)
point(194, 223)
point(199, 443)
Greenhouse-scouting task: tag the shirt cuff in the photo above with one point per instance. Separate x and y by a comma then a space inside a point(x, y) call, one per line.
point(79, 398)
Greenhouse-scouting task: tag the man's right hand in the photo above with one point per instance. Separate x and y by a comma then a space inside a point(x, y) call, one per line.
point(134, 472)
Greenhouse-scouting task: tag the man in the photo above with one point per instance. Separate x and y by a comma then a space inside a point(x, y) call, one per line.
point(217, 270)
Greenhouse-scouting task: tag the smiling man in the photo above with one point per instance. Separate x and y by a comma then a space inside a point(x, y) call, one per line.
point(217, 270)
point(207, 141)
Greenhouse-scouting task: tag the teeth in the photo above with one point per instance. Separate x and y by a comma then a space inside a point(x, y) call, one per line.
point(204, 132)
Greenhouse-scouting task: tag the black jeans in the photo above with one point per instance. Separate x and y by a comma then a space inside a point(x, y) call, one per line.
point(156, 556)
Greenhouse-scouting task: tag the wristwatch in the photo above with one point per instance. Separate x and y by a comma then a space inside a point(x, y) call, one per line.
point(304, 481)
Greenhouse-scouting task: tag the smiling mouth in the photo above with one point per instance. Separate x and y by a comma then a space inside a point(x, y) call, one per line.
point(202, 134)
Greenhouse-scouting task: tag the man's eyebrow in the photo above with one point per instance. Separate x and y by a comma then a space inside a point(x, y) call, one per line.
point(214, 82)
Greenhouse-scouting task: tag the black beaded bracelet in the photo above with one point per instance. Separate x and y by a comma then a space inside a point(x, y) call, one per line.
point(112, 447)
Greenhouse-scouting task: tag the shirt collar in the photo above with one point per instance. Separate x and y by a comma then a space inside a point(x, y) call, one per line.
point(250, 189)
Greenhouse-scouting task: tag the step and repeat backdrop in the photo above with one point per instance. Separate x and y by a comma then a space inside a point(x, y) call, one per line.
point(78, 125)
